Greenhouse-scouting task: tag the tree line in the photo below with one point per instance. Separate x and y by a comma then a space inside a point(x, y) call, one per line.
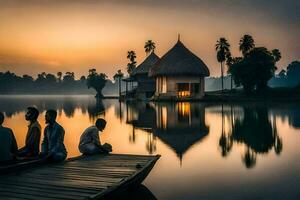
point(254, 69)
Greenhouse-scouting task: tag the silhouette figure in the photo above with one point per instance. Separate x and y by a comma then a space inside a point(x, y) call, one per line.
point(53, 148)
point(8, 144)
point(32, 142)
point(89, 141)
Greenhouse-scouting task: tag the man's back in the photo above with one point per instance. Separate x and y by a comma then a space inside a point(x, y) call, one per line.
point(8, 145)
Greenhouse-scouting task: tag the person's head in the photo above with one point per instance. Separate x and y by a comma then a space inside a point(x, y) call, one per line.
point(1, 118)
point(50, 116)
point(100, 124)
point(32, 114)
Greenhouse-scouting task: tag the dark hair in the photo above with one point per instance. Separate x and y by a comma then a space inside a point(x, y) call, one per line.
point(34, 111)
point(52, 113)
point(100, 123)
point(1, 118)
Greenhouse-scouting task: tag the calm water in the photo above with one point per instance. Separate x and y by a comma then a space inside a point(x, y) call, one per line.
point(209, 151)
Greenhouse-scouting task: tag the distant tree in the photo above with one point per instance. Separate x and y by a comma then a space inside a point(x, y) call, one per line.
point(255, 70)
point(69, 78)
point(276, 55)
point(293, 73)
point(149, 46)
point(82, 79)
point(118, 76)
point(59, 76)
point(27, 78)
point(246, 44)
point(131, 55)
point(50, 79)
point(222, 48)
point(96, 81)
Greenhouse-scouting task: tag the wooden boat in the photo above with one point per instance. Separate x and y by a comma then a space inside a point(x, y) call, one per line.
point(91, 177)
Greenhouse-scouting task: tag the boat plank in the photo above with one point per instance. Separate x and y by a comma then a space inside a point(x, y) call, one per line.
point(79, 178)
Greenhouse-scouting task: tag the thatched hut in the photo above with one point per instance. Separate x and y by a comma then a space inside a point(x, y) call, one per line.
point(145, 84)
point(179, 74)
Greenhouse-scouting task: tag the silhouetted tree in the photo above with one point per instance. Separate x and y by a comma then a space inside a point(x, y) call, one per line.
point(131, 55)
point(222, 48)
point(276, 55)
point(59, 76)
point(255, 70)
point(118, 77)
point(96, 81)
point(149, 46)
point(246, 44)
point(293, 73)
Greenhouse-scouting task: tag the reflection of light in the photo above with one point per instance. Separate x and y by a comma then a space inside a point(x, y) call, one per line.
point(184, 109)
point(164, 117)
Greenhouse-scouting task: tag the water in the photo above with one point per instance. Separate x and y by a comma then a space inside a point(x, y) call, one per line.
point(209, 151)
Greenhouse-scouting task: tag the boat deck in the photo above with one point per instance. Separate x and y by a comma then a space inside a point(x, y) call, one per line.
point(94, 177)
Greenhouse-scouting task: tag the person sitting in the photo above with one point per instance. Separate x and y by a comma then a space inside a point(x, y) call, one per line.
point(53, 148)
point(8, 144)
point(32, 142)
point(89, 141)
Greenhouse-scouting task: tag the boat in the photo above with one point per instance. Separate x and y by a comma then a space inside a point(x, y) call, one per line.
point(84, 177)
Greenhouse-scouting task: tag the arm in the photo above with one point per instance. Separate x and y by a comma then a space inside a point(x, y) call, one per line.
point(97, 142)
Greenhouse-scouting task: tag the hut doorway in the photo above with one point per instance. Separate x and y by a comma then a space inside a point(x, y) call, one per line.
point(183, 89)
point(188, 89)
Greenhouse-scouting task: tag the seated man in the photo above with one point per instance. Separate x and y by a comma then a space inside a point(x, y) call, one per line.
point(89, 141)
point(8, 144)
point(32, 142)
point(53, 147)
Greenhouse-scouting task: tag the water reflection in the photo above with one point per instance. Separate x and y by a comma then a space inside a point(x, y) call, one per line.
point(12, 105)
point(215, 143)
point(178, 125)
point(255, 130)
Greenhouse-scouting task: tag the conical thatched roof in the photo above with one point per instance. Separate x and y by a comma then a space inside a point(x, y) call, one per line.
point(179, 61)
point(145, 66)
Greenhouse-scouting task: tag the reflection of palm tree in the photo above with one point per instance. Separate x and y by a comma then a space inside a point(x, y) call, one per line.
point(151, 143)
point(249, 158)
point(224, 142)
point(132, 136)
point(278, 140)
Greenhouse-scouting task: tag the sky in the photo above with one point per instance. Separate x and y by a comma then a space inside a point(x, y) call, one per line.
point(64, 35)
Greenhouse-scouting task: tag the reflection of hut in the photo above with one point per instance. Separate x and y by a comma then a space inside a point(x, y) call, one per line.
point(180, 125)
point(179, 74)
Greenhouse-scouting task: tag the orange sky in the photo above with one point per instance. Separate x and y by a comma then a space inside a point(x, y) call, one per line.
point(56, 36)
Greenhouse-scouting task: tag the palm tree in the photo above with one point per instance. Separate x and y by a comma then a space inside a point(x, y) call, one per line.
point(222, 48)
point(276, 55)
point(131, 55)
point(246, 44)
point(149, 46)
point(118, 76)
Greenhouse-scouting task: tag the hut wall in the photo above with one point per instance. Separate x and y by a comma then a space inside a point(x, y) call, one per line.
point(172, 82)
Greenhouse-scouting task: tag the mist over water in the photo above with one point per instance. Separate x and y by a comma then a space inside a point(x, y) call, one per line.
point(209, 151)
